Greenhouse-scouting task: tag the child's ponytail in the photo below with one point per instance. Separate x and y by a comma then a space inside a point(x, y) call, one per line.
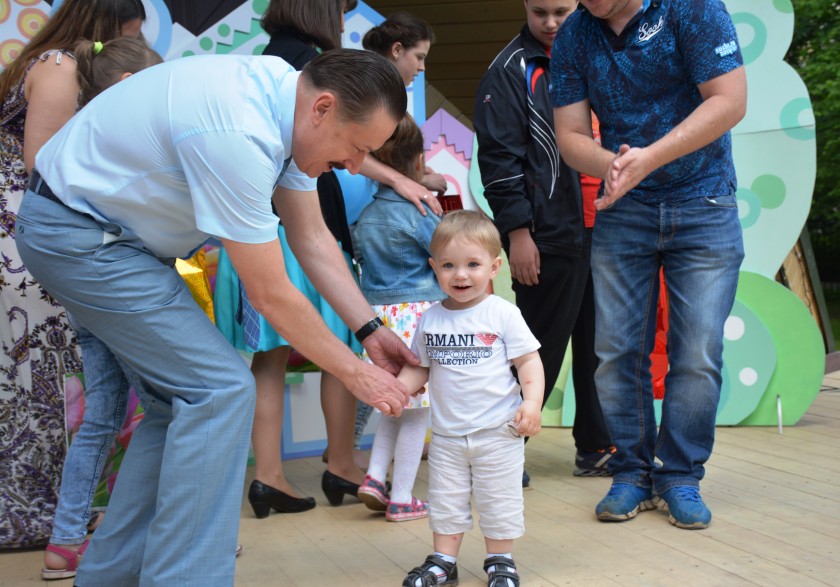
point(100, 65)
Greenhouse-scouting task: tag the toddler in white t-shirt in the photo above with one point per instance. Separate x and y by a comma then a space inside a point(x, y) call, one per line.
point(466, 345)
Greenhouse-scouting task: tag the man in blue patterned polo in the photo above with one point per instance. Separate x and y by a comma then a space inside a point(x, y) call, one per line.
point(666, 79)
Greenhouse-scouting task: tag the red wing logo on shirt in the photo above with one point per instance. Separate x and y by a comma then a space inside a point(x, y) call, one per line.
point(486, 338)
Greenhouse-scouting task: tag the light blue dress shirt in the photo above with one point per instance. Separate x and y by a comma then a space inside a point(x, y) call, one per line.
point(182, 151)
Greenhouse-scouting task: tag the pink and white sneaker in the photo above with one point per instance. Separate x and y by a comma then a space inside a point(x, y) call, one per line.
point(374, 494)
point(403, 512)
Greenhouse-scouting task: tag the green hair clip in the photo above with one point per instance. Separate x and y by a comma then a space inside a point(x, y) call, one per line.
point(97, 47)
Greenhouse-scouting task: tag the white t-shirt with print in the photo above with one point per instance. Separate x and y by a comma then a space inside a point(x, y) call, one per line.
point(469, 354)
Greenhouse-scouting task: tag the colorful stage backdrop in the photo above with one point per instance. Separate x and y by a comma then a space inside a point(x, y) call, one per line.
point(774, 356)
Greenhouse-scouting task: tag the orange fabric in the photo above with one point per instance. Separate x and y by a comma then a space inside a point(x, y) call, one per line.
point(659, 356)
point(590, 185)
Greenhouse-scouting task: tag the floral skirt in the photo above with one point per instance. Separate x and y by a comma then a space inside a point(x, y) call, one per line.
point(39, 350)
point(402, 319)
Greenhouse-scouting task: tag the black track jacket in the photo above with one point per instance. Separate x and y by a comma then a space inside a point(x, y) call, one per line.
point(526, 182)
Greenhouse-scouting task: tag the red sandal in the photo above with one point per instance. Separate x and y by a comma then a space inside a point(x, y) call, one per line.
point(72, 557)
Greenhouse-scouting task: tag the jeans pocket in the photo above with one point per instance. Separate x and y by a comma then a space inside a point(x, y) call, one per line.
point(511, 427)
point(728, 201)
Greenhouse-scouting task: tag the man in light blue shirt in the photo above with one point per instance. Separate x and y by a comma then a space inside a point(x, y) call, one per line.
point(150, 169)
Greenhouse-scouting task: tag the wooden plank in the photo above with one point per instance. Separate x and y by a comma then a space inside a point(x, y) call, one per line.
point(786, 445)
point(773, 524)
point(790, 524)
point(501, 31)
point(777, 452)
point(816, 285)
point(460, 70)
point(459, 11)
point(832, 362)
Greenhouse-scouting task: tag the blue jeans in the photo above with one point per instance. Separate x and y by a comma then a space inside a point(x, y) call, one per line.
point(106, 397)
point(173, 517)
point(698, 243)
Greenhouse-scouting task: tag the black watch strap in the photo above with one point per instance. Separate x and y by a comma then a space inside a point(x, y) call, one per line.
point(369, 328)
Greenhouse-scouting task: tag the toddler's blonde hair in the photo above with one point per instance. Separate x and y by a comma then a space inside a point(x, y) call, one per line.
point(469, 225)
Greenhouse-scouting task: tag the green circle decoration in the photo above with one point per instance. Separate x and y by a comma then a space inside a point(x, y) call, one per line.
point(749, 207)
point(799, 349)
point(206, 43)
point(753, 50)
point(771, 190)
point(789, 119)
point(224, 30)
point(260, 6)
point(783, 6)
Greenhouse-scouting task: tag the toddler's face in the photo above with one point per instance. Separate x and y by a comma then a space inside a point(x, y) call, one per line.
point(464, 270)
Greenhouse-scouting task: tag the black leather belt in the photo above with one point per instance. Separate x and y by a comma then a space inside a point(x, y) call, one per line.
point(40, 187)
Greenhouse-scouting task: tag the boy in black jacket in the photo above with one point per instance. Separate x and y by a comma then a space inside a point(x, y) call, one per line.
point(537, 206)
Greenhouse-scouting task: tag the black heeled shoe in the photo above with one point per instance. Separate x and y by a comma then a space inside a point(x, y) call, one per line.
point(264, 498)
point(335, 488)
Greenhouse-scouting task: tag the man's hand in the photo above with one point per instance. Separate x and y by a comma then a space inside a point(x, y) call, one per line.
point(378, 388)
point(417, 195)
point(524, 257)
point(528, 419)
point(629, 167)
point(387, 350)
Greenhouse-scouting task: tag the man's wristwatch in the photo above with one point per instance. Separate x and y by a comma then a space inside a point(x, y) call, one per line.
point(368, 329)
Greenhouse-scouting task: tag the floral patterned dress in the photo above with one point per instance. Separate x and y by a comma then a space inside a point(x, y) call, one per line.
point(38, 348)
point(402, 320)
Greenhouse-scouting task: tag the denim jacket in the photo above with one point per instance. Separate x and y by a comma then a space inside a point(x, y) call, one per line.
point(392, 247)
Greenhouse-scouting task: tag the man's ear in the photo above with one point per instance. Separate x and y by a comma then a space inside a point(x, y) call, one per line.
point(126, 75)
point(324, 104)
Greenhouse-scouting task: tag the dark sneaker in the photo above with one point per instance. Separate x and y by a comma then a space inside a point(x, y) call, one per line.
point(685, 507)
point(593, 464)
point(526, 478)
point(623, 501)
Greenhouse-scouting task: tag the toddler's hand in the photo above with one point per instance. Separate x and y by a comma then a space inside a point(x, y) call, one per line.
point(528, 419)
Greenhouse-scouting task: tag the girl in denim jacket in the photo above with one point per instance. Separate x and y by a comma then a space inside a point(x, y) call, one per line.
point(392, 242)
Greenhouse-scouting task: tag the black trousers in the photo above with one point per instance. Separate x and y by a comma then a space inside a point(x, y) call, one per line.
point(590, 429)
point(552, 311)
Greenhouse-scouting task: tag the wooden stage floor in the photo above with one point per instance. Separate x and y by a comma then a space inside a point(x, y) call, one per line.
point(775, 500)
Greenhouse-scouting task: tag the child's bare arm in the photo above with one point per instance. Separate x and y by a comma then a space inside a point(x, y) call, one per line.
point(528, 418)
point(414, 378)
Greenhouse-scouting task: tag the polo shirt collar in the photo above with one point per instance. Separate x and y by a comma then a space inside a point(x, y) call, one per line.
point(618, 42)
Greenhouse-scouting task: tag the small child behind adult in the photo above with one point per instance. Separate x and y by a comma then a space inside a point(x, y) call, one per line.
point(466, 345)
point(98, 66)
point(101, 65)
point(393, 246)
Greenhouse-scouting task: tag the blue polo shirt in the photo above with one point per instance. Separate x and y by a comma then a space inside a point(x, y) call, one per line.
point(181, 151)
point(643, 82)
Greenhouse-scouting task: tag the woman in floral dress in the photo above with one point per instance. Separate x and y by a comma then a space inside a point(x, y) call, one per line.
point(38, 93)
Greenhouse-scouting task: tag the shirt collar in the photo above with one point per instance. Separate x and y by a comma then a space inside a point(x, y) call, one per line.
point(286, 109)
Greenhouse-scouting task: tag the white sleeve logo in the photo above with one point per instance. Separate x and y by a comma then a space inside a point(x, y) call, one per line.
point(726, 49)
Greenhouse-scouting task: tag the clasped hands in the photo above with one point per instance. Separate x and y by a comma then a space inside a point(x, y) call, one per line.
point(627, 169)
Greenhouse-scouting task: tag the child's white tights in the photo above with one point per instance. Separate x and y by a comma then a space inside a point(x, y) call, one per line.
point(401, 440)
